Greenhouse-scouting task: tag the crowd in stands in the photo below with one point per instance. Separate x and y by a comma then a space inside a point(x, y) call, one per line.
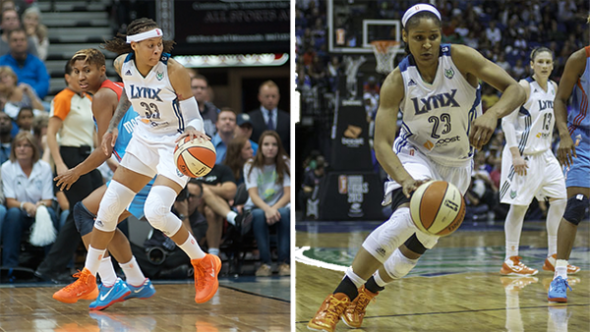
point(245, 196)
point(503, 31)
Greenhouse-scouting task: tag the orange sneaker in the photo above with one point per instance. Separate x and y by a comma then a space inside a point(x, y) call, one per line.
point(550, 265)
point(82, 289)
point(329, 313)
point(514, 267)
point(355, 311)
point(206, 271)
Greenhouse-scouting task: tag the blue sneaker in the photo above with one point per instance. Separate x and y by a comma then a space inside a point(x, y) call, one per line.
point(558, 289)
point(110, 295)
point(144, 291)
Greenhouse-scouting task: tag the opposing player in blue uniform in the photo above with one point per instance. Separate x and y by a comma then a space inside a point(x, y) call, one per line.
point(89, 67)
point(437, 89)
point(574, 153)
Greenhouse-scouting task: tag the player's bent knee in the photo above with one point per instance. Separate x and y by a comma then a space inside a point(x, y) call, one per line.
point(115, 200)
point(83, 219)
point(398, 265)
point(157, 210)
point(576, 208)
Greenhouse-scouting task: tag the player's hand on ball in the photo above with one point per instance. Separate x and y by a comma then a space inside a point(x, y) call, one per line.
point(108, 141)
point(410, 185)
point(566, 151)
point(193, 133)
point(483, 128)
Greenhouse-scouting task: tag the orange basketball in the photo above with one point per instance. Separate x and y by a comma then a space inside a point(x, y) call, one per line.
point(194, 158)
point(437, 208)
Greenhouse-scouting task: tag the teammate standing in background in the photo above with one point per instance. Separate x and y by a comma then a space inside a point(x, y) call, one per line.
point(437, 89)
point(529, 168)
point(159, 89)
point(574, 153)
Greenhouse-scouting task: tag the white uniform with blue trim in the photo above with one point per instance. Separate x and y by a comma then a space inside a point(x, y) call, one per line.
point(533, 124)
point(433, 142)
point(434, 136)
point(160, 120)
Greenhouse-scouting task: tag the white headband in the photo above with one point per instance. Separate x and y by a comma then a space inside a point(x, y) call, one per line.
point(419, 8)
point(144, 35)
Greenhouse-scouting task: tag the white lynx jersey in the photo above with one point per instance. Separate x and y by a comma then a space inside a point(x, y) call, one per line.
point(153, 98)
point(437, 117)
point(534, 121)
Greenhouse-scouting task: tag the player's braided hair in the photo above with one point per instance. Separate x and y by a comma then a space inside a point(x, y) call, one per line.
point(119, 43)
point(415, 20)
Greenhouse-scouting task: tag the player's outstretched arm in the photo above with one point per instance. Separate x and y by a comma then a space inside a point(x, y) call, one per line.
point(391, 95)
point(574, 68)
point(471, 62)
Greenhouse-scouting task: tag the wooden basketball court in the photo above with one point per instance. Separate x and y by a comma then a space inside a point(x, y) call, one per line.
point(247, 304)
point(455, 287)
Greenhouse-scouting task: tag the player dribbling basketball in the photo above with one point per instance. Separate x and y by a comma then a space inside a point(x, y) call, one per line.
point(159, 89)
point(436, 87)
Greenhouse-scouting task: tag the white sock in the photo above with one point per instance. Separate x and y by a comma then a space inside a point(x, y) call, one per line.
point(214, 251)
point(231, 217)
point(93, 259)
point(554, 214)
point(513, 228)
point(107, 272)
point(561, 268)
point(511, 249)
point(191, 247)
point(356, 280)
point(552, 241)
point(378, 279)
point(133, 273)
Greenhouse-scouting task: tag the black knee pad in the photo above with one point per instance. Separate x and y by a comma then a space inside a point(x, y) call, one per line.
point(415, 245)
point(83, 219)
point(576, 209)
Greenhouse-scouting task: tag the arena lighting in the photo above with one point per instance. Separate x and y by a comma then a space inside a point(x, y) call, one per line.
point(233, 60)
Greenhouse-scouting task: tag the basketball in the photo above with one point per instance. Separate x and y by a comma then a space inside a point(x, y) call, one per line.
point(437, 208)
point(194, 158)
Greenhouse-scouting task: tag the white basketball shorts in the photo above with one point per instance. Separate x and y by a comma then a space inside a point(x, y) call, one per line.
point(544, 179)
point(151, 157)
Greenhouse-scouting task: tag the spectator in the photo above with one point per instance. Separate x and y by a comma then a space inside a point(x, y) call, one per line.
point(209, 112)
point(24, 119)
point(226, 127)
point(10, 21)
point(36, 31)
point(28, 67)
point(309, 195)
point(2, 207)
point(244, 129)
point(239, 151)
point(17, 96)
point(493, 33)
point(268, 182)
point(40, 123)
point(269, 117)
point(518, 69)
point(27, 184)
point(217, 189)
point(5, 137)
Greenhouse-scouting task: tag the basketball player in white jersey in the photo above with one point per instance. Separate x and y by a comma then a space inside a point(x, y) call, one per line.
point(159, 89)
point(436, 87)
point(529, 168)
